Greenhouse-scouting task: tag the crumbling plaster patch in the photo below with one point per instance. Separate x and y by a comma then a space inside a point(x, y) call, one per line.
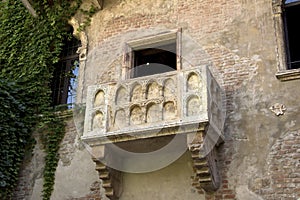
point(68, 180)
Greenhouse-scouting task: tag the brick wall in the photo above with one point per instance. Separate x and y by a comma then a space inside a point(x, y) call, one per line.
point(282, 180)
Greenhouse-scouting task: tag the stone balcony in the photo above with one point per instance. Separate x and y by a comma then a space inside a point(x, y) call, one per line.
point(140, 107)
point(186, 102)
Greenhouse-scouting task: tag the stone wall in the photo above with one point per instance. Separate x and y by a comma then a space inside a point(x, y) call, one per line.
point(238, 38)
point(260, 156)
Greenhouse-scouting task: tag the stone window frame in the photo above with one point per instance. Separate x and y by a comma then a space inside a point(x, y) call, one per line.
point(150, 42)
point(283, 73)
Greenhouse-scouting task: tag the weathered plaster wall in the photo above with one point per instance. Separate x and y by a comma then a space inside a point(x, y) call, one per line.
point(227, 30)
point(171, 182)
point(75, 176)
point(260, 156)
point(238, 39)
point(30, 181)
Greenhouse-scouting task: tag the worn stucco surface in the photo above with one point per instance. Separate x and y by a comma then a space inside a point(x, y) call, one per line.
point(171, 182)
point(238, 39)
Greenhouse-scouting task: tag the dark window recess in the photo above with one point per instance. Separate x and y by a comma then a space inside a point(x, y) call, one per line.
point(154, 60)
point(292, 32)
point(63, 83)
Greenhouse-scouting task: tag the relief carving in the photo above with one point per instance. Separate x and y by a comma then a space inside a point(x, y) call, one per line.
point(193, 106)
point(193, 82)
point(153, 113)
point(136, 116)
point(99, 99)
point(121, 96)
point(120, 119)
point(213, 88)
point(98, 121)
point(169, 111)
point(169, 88)
point(119, 109)
point(137, 93)
point(153, 91)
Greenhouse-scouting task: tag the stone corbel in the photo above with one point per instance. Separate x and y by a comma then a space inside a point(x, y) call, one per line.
point(204, 163)
point(111, 178)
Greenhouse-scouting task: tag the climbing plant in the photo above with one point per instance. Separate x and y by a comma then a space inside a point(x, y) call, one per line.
point(53, 130)
point(29, 49)
point(15, 128)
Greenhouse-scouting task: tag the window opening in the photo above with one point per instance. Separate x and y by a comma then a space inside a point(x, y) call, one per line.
point(292, 33)
point(64, 82)
point(154, 60)
point(290, 1)
point(71, 99)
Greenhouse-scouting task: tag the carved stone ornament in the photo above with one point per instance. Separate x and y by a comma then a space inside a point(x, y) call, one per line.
point(278, 109)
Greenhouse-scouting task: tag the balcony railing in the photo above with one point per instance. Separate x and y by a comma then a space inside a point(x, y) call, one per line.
point(151, 106)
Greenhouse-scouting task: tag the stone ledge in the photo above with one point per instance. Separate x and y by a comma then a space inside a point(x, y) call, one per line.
point(287, 75)
point(121, 136)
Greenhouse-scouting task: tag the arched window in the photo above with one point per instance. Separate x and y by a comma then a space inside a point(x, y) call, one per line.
point(64, 83)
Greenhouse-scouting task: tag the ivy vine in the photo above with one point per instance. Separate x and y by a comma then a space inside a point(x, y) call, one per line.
point(15, 128)
point(29, 49)
point(53, 129)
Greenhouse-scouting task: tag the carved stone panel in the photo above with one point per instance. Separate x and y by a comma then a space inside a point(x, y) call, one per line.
point(193, 82)
point(216, 112)
point(164, 100)
point(98, 121)
point(120, 119)
point(154, 113)
point(121, 96)
point(193, 106)
point(169, 111)
point(137, 93)
point(99, 99)
point(153, 90)
point(169, 88)
point(136, 116)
